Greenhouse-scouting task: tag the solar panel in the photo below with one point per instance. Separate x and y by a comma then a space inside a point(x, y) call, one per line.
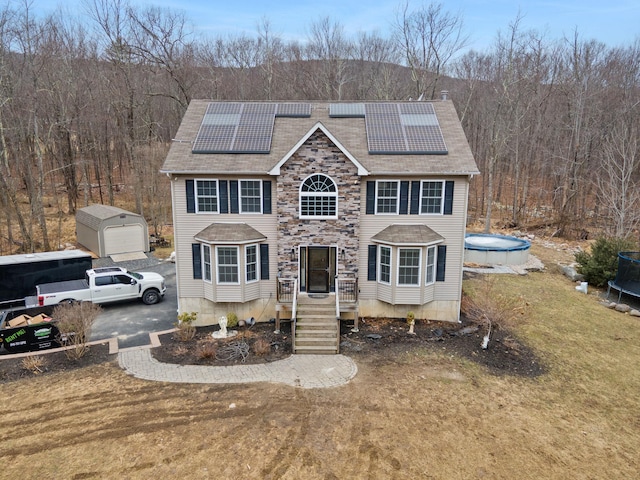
point(346, 110)
point(293, 110)
point(392, 128)
point(403, 128)
point(242, 127)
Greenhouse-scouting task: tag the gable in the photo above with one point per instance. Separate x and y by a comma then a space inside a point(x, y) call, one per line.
point(276, 169)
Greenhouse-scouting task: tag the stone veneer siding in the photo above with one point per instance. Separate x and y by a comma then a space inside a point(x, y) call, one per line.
point(318, 155)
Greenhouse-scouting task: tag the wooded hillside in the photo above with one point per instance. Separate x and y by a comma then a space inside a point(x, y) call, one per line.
point(88, 109)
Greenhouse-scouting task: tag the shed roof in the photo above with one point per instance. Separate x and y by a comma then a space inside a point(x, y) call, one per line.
point(350, 133)
point(93, 215)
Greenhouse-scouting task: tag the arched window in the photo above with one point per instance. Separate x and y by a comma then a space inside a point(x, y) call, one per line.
point(318, 197)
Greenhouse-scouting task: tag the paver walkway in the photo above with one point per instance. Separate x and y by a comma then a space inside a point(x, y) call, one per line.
point(305, 371)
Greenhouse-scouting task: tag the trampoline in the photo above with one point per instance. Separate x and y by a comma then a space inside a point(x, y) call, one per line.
point(628, 277)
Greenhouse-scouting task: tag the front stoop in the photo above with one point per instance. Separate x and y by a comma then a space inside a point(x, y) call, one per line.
point(317, 329)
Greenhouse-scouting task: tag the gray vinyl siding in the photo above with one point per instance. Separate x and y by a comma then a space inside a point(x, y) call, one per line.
point(383, 292)
point(451, 227)
point(429, 293)
point(88, 237)
point(186, 225)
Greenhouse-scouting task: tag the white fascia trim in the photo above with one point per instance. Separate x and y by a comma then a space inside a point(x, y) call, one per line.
point(361, 170)
point(407, 245)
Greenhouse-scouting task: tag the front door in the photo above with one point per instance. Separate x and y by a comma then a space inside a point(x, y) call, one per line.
point(318, 271)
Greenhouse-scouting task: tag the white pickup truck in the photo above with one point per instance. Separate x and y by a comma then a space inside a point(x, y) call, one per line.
point(104, 285)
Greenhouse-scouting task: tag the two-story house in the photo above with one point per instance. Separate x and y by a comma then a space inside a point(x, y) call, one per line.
point(319, 211)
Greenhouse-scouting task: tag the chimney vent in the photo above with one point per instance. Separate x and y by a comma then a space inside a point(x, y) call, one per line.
point(444, 95)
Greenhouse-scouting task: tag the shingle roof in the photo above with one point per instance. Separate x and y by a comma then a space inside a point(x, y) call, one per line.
point(229, 233)
point(407, 235)
point(349, 132)
point(94, 214)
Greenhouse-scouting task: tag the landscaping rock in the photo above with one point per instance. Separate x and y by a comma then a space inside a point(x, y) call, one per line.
point(467, 330)
point(570, 271)
point(621, 307)
point(634, 313)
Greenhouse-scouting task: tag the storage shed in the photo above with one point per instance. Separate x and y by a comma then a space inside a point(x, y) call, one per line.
point(107, 230)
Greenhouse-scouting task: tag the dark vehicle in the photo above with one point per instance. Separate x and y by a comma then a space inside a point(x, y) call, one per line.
point(28, 330)
point(19, 274)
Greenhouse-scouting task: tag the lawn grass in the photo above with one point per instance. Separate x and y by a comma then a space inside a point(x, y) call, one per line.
point(591, 390)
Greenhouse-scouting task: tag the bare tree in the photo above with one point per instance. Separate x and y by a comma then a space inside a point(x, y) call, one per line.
point(376, 64)
point(582, 89)
point(270, 55)
point(241, 57)
point(330, 51)
point(619, 181)
point(161, 38)
point(429, 38)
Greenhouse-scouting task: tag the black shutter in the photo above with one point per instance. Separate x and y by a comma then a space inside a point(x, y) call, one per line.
point(442, 263)
point(266, 196)
point(415, 198)
point(197, 261)
point(233, 196)
point(191, 196)
point(223, 194)
point(404, 198)
point(371, 198)
point(264, 261)
point(372, 262)
point(448, 197)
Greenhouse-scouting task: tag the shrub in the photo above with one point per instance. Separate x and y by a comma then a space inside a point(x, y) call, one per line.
point(232, 320)
point(487, 306)
point(261, 347)
point(34, 363)
point(601, 264)
point(185, 330)
point(207, 351)
point(74, 322)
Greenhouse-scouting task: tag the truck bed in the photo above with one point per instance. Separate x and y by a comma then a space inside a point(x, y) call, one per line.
point(55, 287)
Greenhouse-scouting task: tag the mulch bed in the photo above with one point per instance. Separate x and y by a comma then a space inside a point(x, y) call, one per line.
point(12, 369)
point(383, 338)
point(506, 354)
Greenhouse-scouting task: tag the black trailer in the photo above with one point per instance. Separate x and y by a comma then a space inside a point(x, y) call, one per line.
point(19, 274)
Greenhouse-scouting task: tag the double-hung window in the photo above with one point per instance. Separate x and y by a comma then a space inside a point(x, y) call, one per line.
point(318, 197)
point(227, 260)
point(207, 196)
point(251, 263)
point(409, 266)
point(206, 263)
point(387, 197)
point(431, 265)
point(385, 265)
point(250, 196)
point(431, 197)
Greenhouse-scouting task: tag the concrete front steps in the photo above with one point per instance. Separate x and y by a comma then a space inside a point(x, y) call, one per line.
point(317, 329)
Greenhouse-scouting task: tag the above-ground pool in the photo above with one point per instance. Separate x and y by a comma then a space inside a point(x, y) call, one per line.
point(488, 249)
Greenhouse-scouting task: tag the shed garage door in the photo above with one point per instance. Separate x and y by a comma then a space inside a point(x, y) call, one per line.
point(124, 239)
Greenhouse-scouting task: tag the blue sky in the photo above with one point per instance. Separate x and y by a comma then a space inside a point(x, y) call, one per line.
point(614, 22)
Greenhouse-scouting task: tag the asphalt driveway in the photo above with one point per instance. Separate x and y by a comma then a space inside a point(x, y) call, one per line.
point(131, 322)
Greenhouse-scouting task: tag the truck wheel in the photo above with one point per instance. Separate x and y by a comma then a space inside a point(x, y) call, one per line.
point(150, 297)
